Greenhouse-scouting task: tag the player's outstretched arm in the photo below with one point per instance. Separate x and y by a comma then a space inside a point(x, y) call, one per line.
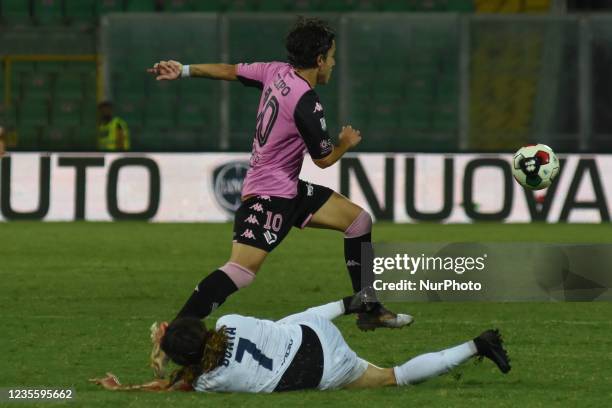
point(112, 383)
point(348, 139)
point(170, 70)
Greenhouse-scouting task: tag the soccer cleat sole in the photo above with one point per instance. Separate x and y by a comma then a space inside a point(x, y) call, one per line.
point(368, 322)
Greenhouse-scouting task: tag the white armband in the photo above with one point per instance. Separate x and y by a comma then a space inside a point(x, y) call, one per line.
point(185, 72)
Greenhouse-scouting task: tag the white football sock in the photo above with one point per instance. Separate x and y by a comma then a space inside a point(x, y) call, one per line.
point(329, 311)
point(431, 365)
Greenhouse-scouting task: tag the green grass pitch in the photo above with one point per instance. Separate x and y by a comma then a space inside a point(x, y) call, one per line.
point(77, 300)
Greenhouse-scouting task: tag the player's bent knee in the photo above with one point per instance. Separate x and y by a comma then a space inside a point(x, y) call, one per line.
point(240, 275)
point(361, 225)
point(374, 377)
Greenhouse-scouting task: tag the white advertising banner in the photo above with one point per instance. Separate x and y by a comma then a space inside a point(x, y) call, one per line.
point(198, 187)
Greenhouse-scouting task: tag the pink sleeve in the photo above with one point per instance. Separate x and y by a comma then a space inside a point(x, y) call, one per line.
point(253, 74)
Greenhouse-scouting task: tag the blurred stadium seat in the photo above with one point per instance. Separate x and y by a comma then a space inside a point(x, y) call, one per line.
point(180, 6)
point(398, 72)
point(140, 5)
point(47, 11)
point(16, 12)
point(102, 7)
point(81, 11)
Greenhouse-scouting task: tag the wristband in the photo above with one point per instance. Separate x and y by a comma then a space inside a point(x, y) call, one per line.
point(185, 72)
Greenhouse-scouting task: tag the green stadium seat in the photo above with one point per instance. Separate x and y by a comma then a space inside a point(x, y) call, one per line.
point(160, 113)
point(242, 5)
point(84, 138)
point(210, 6)
point(399, 5)
point(442, 124)
point(367, 5)
point(240, 140)
point(274, 5)
point(140, 5)
point(56, 138)
point(130, 110)
point(47, 11)
point(340, 6)
point(89, 114)
point(180, 6)
point(80, 67)
point(36, 86)
point(162, 89)
point(69, 85)
point(23, 67)
point(188, 140)
point(28, 137)
point(128, 84)
point(81, 11)
point(16, 12)
point(190, 114)
point(461, 5)
point(154, 139)
point(415, 117)
point(32, 112)
point(20, 71)
point(51, 67)
point(66, 112)
point(305, 5)
point(8, 115)
point(107, 6)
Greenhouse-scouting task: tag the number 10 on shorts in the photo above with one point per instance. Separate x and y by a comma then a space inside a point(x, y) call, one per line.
point(273, 221)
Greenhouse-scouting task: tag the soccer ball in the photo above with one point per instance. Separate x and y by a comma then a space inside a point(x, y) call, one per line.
point(535, 166)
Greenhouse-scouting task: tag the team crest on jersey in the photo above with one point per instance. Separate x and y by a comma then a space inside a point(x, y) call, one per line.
point(318, 108)
point(323, 124)
point(227, 184)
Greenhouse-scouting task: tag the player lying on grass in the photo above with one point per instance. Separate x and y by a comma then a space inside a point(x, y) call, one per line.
point(301, 351)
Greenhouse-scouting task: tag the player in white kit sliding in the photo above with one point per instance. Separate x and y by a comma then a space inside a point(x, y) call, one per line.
point(290, 122)
point(301, 351)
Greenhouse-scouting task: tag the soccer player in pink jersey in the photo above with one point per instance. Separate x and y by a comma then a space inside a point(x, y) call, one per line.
point(290, 122)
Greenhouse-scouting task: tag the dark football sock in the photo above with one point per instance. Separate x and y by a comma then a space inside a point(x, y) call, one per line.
point(354, 260)
point(210, 293)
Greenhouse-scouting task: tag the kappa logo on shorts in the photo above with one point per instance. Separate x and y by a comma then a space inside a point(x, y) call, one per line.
point(352, 263)
point(248, 234)
point(270, 237)
point(309, 190)
point(318, 108)
point(252, 219)
point(257, 207)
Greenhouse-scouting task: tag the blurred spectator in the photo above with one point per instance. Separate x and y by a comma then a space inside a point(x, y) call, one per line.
point(113, 132)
